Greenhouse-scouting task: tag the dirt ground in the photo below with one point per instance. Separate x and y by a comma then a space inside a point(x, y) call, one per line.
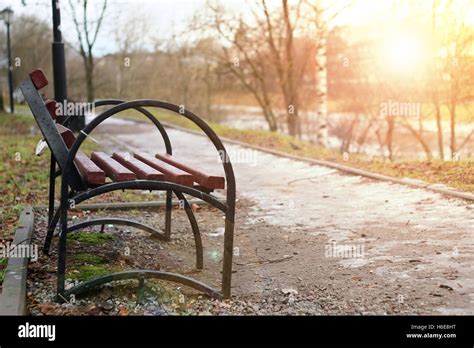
point(277, 270)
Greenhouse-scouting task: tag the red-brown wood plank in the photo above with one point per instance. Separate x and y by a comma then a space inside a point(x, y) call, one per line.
point(66, 134)
point(112, 168)
point(141, 169)
point(51, 105)
point(39, 79)
point(172, 174)
point(207, 181)
point(89, 171)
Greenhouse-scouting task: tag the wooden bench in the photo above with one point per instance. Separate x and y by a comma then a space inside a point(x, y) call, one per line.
point(122, 166)
point(83, 178)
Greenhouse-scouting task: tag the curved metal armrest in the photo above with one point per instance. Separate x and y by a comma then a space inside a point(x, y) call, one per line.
point(145, 112)
point(228, 170)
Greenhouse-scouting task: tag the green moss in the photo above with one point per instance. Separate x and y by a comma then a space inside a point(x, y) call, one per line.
point(88, 259)
point(91, 238)
point(87, 272)
point(3, 262)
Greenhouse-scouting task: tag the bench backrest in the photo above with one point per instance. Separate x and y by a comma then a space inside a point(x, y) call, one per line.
point(46, 123)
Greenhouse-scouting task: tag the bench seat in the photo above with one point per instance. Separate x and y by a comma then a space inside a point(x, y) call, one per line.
point(113, 169)
point(89, 171)
point(206, 181)
point(122, 166)
point(141, 169)
point(171, 173)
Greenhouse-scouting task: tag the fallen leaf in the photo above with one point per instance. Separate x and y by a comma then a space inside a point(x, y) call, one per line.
point(123, 311)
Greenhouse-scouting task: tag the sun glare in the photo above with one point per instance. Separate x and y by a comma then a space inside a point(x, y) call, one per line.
point(470, 17)
point(402, 53)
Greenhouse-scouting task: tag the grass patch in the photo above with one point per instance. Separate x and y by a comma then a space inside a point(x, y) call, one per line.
point(23, 176)
point(89, 259)
point(91, 238)
point(86, 272)
point(3, 264)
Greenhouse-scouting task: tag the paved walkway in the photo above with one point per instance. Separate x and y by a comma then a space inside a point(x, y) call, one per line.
point(407, 236)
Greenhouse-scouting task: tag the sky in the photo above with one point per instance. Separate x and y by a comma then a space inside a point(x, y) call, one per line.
point(163, 15)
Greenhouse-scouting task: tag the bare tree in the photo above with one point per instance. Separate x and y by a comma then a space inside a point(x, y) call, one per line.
point(282, 50)
point(87, 31)
point(323, 15)
point(459, 64)
point(261, 54)
point(245, 57)
point(129, 66)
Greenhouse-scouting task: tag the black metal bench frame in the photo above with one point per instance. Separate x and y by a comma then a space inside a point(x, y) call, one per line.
point(53, 214)
point(73, 189)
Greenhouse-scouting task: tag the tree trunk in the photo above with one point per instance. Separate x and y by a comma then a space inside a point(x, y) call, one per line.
point(347, 140)
point(287, 75)
point(290, 120)
point(363, 137)
point(321, 86)
point(439, 127)
point(265, 103)
point(452, 115)
point(389, 137)
point(269, 116)
point(2, 105)
point(419, 136)
point(291, 116)
point(90, 78)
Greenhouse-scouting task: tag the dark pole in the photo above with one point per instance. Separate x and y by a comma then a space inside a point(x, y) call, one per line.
point(10, 69)
point(59, 59)
point(77, 122)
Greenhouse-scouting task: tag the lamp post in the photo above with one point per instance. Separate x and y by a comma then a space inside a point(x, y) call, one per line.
point(7, 15)
point(59, 60)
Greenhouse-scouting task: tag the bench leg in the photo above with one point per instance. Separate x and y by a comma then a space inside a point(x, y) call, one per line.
point(61, 281)
point(49, 236)
point(169, 208)
point(228, 253)
point(52, 215)
point(52, 183)
point(195, 229)
point(51, 227)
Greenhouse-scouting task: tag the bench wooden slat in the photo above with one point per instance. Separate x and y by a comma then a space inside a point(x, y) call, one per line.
point(51, 105)
point(66, 134)
point(141, 169)
point(207, 181)
point(112, 168)
point(39, 79)
point(171, 173)
point(89, 171)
